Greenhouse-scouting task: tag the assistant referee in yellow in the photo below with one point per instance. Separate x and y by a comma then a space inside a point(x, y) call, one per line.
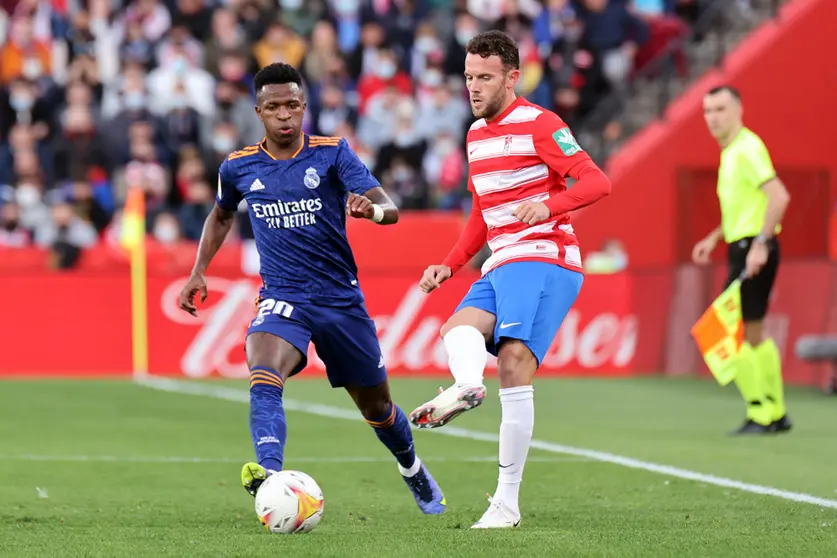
point(753, 201)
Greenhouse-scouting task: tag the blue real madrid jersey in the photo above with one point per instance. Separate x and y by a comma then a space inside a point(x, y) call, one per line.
point(298, 211)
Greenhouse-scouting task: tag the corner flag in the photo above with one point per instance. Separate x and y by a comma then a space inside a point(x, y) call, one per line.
point(132, 239)
point(133, 220)
point(719, 333)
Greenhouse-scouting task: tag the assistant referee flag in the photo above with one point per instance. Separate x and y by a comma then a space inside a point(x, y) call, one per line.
point(719, 333)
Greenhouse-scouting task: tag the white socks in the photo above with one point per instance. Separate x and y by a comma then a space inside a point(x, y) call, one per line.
point(515, 436)
point(411, 472)
point(466, 355)
point(467, 358)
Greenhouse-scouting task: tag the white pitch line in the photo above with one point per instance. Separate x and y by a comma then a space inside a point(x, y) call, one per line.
point(347, 459)
point(229, 394)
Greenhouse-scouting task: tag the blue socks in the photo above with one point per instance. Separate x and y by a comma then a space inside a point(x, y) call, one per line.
point(269, 430)
point(393, 430)
point(267, 417)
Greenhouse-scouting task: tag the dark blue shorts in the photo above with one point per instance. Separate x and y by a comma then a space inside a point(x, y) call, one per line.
point(345, 337)
point(529, 299)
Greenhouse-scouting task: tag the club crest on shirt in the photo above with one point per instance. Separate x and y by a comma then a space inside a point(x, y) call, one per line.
point(507, 146)
point(312, 179)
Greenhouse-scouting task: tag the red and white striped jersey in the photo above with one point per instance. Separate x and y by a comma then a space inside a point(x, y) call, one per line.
point(521, 156)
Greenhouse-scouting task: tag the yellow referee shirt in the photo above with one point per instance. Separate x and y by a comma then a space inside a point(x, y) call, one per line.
point(745, 168)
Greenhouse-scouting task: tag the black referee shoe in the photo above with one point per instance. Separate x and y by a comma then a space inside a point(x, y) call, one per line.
point(752, 427)
point(783, 424)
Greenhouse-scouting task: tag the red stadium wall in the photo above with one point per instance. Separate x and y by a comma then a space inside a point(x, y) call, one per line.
point(79, 322)
point(664, 179)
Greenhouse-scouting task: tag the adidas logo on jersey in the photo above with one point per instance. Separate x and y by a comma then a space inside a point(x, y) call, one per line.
point(256, 185)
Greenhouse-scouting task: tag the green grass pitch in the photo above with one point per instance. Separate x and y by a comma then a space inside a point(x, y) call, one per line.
point(111, 468)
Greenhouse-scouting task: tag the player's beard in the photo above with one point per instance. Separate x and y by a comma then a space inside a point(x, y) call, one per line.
point(490, 108)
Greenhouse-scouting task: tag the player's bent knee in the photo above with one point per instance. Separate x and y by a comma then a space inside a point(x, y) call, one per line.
point(480, 319)
point(377, 412)
point(374, 403)
point(516, 365)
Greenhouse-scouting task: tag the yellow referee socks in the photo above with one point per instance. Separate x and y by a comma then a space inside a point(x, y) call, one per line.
point(770, 370)
point(749, 380)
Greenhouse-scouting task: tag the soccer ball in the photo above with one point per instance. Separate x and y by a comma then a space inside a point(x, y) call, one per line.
point(289, 502)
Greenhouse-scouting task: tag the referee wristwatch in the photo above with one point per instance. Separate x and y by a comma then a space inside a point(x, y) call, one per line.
point(761, 239)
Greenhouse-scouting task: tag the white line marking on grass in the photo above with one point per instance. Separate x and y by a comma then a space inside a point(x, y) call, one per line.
point(346, 459)
point(229, 394)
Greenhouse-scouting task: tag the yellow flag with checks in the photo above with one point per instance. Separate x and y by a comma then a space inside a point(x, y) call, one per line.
point(719, 333)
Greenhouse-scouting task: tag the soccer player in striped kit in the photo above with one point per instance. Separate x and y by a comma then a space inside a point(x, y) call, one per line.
point(519, 155)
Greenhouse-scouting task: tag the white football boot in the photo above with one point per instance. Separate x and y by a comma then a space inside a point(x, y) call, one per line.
point(497, 516)
point(449, 404)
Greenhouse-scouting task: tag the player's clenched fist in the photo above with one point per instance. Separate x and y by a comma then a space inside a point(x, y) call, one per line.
point(434, 276)
point(532, 212)
point(196, 284)
point(359, 207)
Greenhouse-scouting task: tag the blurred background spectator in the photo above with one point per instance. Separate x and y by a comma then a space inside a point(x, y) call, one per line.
point(97, 95)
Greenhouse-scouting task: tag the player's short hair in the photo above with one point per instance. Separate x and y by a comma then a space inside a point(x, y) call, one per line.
point(496, 43)
point(728, 88)
point(277, 73)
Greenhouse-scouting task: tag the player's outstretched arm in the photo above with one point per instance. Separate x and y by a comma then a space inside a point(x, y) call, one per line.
point(470, 242)
point(374, 204)
point(215, 230)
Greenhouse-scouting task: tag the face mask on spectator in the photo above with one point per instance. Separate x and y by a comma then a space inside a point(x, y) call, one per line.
point(404, 138)
point(386, 69)
point(179, 65)
point(400, 174)
point(27, 195)
point(425, 44)
point(444, 147)
point(464, 35)
point(432, 78)
point(329, 120)
point(291, 4)
point(346, 7)
point(223, 144)
point(21, 101)
point(165, 233)
point(134, 101)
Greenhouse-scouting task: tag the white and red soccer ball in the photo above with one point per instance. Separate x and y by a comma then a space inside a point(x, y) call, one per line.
point(289, 502)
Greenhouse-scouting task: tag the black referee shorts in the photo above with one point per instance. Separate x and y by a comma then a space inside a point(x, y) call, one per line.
point(755, 292)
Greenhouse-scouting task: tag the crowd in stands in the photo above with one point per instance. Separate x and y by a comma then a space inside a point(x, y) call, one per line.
point(96, 95)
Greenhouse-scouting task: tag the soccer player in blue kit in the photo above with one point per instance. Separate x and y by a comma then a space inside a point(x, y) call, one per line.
point(299, 189)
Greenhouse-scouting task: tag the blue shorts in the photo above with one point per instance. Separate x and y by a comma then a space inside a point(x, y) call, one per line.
point(345, 337)
point(529, 299)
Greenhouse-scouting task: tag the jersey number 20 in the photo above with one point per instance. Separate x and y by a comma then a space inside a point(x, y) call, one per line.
point(268, 306)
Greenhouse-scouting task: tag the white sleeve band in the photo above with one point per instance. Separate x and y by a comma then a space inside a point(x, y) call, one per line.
point(378, 214)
